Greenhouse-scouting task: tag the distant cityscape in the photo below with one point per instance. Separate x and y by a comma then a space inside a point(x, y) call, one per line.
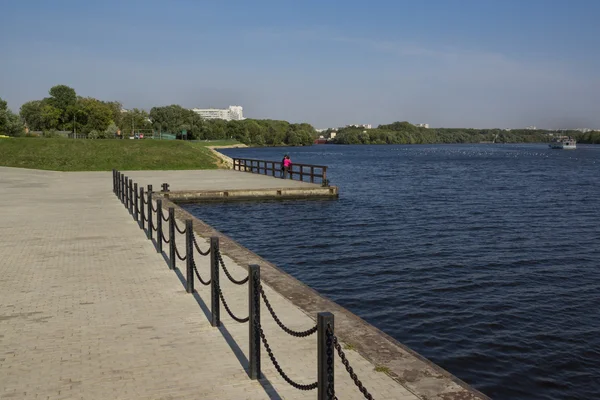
point(236, 113)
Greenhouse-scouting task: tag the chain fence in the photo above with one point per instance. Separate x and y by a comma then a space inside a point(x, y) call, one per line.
point(327, 340)
point(202, 253)
point(231, 278)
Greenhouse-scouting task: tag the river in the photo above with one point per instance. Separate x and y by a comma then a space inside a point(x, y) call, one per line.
point(483, 258)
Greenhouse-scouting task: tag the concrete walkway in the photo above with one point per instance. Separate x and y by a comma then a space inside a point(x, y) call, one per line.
point(90, 310)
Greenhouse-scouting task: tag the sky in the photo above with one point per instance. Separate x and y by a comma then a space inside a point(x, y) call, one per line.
point(448, 63)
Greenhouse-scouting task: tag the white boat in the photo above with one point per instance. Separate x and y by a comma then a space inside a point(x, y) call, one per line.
point(564, 143)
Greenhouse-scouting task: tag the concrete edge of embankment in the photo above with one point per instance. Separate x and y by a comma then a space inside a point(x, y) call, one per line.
point(245, 194)
point(420, 376)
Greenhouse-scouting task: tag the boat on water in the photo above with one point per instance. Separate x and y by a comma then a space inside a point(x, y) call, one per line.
point(564, 143)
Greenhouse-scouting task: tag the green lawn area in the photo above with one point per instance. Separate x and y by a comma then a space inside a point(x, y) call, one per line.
point(216, 142)
point(104, 155)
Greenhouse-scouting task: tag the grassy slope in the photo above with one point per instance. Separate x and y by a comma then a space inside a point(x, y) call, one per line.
point(104, 155)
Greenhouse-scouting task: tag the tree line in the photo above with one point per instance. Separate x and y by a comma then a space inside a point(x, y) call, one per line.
point(406, 133)
point(64, 110)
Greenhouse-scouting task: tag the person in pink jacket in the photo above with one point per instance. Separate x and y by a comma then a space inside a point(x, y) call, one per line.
point(287, 167)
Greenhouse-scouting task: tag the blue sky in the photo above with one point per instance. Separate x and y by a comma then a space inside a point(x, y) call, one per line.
point(450, 63)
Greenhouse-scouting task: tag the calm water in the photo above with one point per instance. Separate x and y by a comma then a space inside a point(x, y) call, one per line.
point(483, 258)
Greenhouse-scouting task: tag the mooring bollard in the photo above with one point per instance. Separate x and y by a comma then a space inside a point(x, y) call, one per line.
point(189, 253)
point(150, 223)
point(165, 187)
point(214, 284)
point(325, 383)
point(135, 198)
point(254, 321)
point(159, 234)
point(172, 238)
point(142, 209)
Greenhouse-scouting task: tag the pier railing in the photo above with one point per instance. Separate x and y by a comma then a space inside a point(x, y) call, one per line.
point(150, 217)
point(300, 172)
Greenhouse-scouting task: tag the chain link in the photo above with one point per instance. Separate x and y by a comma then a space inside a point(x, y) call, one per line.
point(154, 209)
point(289, 331)
point(205, 283)
point(182, 231)
point(202, 253)
point(240, 320)
point(299, 386)
point(346, 363)
point(166, 219)
point(179, 255)
point(240, 282)
point(164, 238)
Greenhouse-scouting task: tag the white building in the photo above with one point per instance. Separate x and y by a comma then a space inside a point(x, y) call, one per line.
point(233, 113)
point(422, 126)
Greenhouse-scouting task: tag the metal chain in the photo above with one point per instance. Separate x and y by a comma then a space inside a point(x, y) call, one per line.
point(205, 283)
point(240, 320)
point(182, 231)
point(289, 331)
point(164, 238)
point(166, 219)
point(346, 363)
point(179, 255)
point(240, 282)
point(202, 253)
point(154, 209)
point(299, 386)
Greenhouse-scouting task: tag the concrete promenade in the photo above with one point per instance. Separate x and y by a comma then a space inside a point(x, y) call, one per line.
point(90, 310)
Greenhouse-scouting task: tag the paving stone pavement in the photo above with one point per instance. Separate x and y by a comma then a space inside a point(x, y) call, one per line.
point(90, 310)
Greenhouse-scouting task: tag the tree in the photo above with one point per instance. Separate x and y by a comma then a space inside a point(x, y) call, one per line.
point(50, 116)
point(97, 114)
point(10, 124)
point(134, 120)
point(62, 97)
point(31, 114)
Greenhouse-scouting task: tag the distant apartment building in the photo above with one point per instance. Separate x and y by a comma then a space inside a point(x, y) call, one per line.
point(422, 126)
point(531, 128)
point(233, 113)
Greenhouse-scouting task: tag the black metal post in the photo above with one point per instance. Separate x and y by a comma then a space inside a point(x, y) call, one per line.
point(254, 321)
point(124, 192)
point(150, 223)
point(114, 184)
point(172, 238)
point(214, 284)
point(124, 178)
point(325, 388)
point(135, 201)
point(131, 196)
point(159, 234)
point(189, 253)
point(118, 192)
point(142, 208)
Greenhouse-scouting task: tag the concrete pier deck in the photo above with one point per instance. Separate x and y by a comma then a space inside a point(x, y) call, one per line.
point(89, 309)
point(206, 185)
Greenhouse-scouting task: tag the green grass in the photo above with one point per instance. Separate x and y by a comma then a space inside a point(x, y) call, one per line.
point(216, 142)
point(104, 155)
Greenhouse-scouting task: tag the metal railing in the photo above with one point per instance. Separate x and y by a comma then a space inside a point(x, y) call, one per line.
point(300, 172)
point(151, 218)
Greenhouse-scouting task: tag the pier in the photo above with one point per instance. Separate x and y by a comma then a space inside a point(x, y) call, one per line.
point(95, 306)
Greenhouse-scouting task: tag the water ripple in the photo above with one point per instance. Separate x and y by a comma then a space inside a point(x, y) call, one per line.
point(483, 258)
